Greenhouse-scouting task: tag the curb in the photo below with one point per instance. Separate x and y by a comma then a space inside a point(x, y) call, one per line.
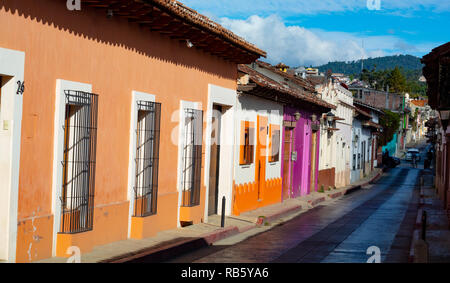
point(280, 214)
point(166, 252)
point(371, 181)
point(316, 201)
point(153, 255)
point(414, 240)
point(159, 254)
point(221, 234)
point(336, 195)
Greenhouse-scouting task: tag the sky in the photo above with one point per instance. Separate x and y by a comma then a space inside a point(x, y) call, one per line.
point(315, 32)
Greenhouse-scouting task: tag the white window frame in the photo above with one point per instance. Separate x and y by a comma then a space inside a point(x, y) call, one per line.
point(58, 148)
point(181, 126)
point(135, 97)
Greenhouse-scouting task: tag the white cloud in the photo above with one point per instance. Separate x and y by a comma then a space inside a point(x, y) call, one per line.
point(296, 45)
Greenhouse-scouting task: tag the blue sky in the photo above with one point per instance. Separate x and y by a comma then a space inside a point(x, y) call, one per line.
point(313, 32)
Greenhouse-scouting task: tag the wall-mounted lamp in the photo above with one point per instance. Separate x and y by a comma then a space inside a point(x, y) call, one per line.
point(109, 13)
point(189, 43)
point(330, 118)
point(297, 116)
point(444, 115)
point(313, 117)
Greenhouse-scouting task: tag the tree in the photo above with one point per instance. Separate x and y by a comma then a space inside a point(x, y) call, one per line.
point(390, 122)
point(396, 81)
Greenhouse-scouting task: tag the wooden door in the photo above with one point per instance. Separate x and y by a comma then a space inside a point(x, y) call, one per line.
point(213, 195)
point(261, 154)
point(287, 162)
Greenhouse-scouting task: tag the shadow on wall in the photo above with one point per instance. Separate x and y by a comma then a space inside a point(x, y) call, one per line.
point(93, 25)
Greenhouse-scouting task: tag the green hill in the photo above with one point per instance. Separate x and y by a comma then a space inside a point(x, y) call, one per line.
point(405, 62)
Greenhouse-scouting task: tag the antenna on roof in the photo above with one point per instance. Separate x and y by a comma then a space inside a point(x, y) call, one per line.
point(362, 57)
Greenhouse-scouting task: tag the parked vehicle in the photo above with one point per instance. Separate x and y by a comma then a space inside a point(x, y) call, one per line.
point(411, 152)
point(396, 160)
point(391, 162)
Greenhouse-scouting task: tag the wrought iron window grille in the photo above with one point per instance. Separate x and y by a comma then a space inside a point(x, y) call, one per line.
point(78, 165)
point(192, 157)
point(147, 158)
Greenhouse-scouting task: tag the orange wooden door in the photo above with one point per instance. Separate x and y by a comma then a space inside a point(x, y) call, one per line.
point(261, 154)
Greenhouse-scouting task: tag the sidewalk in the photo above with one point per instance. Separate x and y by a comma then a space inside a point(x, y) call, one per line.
point(437, 228)
point(168, 244)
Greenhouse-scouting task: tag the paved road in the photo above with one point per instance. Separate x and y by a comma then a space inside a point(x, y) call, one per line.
point(381, 215)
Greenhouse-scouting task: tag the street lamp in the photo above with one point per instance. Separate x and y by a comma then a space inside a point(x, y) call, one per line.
point(444, 115)
point(330, 118)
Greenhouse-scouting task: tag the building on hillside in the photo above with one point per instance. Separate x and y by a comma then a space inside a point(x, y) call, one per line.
point(102, 122)
point(278, 138)
point(437, 74)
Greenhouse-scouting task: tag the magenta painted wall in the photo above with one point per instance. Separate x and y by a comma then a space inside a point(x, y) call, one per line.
point(301, 173)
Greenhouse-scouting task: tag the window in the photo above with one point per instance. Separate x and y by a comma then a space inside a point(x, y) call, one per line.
point(247, 143)
point(147, 157)
point(192, 157)
point(80, 136)
point(354, 161)
point(359, 161)
point(274, 144)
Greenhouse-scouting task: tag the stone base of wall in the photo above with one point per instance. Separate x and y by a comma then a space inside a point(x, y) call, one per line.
point(342, 178)
point(327, 178)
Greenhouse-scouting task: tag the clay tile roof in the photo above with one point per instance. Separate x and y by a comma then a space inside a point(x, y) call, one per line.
point(148, 12)
point(299, 81)
point(372, 124)
point(266, 82)
point(420, 103)
point(367, 105)
point(191, 15)
point(363, 113)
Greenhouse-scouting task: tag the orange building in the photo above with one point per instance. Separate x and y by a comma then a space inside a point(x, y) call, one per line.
point(95, 104)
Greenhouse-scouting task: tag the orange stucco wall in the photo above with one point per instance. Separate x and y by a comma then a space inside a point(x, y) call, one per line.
point(116, 57)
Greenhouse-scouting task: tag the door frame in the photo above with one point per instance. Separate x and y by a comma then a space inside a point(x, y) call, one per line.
point(12, 64)
point(313, 179)
point(290, 177)
point(261, 155)
point(217, 160)
point(228, 98)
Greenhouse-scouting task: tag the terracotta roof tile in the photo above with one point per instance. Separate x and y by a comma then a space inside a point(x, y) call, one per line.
point(300, 81)
point(420, 103)
point(193, 16)
point(267, 82)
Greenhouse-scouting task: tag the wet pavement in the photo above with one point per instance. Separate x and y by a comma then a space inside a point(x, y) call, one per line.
point(381, 215)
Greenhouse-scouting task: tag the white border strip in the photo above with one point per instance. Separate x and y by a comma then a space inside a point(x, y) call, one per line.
point(58, 148)
point(135, 97)
point(12, 63)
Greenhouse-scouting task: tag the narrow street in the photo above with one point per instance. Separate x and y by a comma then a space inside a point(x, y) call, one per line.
point(380, 215)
